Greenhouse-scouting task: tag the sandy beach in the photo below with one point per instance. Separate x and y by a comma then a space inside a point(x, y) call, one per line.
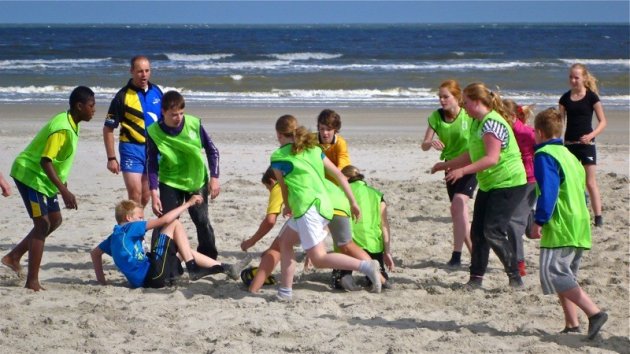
point(427, 311)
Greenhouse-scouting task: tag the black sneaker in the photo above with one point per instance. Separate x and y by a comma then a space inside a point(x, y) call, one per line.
point(571, 330)
point(196, 273)
point(599, 221)
point(474, 283)
point(454, 263)
point(516, 282)
point(595, 323)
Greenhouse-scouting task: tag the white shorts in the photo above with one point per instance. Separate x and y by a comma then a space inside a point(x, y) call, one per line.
point(310, 228)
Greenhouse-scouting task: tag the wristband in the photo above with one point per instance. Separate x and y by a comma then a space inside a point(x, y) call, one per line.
point(112, 158)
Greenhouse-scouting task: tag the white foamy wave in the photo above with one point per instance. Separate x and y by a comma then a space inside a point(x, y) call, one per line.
point(303, 56)
point(395, 96)
point(236, 77)
point(48, 63)
point(620, 62)
point(197, 57)
point(49, 92)
point(243, 65)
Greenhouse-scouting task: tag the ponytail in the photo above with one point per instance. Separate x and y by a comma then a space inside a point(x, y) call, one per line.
point(303, 139)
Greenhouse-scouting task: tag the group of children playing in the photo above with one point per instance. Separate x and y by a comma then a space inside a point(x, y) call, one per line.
point(484, 140)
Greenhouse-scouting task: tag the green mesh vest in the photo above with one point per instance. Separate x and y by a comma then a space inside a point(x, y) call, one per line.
point(454, 135)
point(570, 223)
point(366, 232)
point(305, 182)
point(509, 171)
point(26, 167)
point(181, 163)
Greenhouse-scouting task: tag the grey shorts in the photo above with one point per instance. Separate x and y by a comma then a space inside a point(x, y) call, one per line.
point(558, 269)
point(340, 230)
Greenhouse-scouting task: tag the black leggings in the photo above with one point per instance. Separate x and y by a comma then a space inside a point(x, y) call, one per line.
point(491, 216)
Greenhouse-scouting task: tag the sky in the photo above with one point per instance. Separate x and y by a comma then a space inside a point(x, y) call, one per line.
point(311, 12)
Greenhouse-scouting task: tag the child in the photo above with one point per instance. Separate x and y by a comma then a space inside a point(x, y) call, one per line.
point(271, 256)
point(494, 156)
point(162, 265)
point(562, 223)
point(333, 144)
point(299, 166)
point(178, 140)
point(371, 232)
point(525, 138)
point(40, 173)
point(5, 186)
point(577, 106)
point(452, 125)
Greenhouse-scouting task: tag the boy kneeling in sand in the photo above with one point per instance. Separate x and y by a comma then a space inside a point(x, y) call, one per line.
point(562, 223)
point(169, 247)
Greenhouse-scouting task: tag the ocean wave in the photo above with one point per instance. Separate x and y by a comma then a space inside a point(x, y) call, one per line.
point(396, 96)
point(303, 56)
point(197, 57)
point(620, 62)
point(49, 63)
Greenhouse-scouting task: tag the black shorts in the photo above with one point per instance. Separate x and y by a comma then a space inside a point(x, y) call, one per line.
point(165, 266)
point(465, 185)
point(586, 153)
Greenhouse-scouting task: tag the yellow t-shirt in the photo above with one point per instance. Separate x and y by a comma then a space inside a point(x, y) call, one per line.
point(274, 206)
point(56, 143)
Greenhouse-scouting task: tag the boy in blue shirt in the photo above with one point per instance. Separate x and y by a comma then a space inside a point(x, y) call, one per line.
point(562, 223)
point(169, 247)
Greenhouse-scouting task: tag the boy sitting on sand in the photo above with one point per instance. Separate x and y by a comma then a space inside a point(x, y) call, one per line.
point(562, 223)
point(162, 265)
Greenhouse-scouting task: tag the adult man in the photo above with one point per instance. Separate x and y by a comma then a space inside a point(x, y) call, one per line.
point(134, 108)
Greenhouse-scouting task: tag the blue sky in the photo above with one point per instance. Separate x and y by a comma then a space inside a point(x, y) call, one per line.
point(312, 12)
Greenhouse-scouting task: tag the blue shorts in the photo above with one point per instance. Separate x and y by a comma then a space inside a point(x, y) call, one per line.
point(36, 203)
point(133, 157)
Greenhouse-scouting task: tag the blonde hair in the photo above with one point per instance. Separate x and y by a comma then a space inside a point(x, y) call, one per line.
point(125, 208)
point(516, 111)
point(590, 81)
point(303, 139)
point(453, 87)
point(479, 92)
point(549, 122)
point(352, 174)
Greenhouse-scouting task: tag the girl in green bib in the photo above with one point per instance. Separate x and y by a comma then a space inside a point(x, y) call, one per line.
point(494, 156)
point(299, 166)
point(452, 124)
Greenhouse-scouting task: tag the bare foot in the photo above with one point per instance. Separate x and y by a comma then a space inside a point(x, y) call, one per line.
point(15, 266)
point(34, 285)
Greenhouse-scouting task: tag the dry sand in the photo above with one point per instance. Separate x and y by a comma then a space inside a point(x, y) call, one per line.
point(426, 312)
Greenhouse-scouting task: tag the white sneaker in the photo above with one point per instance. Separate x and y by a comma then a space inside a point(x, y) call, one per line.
point(348, 284)
point(375, 276)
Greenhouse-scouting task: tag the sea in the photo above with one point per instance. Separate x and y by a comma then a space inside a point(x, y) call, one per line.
point(315, 65)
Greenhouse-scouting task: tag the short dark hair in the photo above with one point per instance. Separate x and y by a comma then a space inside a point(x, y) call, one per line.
point(173, 99)
point(81, 94)
point(268, 176)
point(329, 118)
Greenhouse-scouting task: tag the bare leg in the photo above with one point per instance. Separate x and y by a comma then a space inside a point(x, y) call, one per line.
point(176, 229)
point(288, 239)
point(268, 261)
point(593, 189)
point(570, 312)
point(461, 224)
point(581, 299)
point(353, 250)
point(133, 183)
point(42, 227)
